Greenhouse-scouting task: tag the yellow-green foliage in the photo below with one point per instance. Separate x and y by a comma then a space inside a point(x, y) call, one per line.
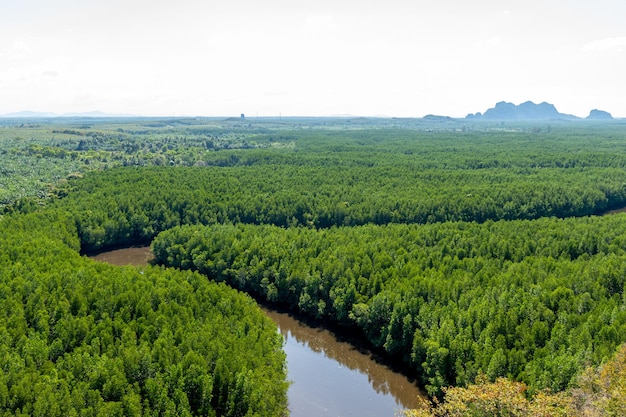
point(601, 392)
point(502, 398)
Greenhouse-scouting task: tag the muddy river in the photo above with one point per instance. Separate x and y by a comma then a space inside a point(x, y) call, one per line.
point(330, 377)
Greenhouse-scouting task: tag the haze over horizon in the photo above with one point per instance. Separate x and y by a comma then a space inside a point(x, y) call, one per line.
point(398, 58)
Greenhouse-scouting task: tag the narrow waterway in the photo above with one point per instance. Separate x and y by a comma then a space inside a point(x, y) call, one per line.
point(614, 211)
point(330, 377)
point(136, 256)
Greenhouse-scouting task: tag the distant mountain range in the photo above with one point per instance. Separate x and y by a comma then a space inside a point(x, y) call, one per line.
point(36, 114)
point(502, 111)
point(532, 111)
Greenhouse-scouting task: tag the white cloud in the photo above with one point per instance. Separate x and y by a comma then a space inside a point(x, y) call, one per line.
point(606, 44)
point(401, 58)
point(491, 42)
point(18, 50)
point(316, 24)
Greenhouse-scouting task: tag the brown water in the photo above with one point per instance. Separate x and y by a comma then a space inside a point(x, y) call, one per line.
point(136, 256)
point(329, 377)
point(615, 211)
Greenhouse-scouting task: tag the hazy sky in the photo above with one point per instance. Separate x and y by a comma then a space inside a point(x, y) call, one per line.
point(319, 57)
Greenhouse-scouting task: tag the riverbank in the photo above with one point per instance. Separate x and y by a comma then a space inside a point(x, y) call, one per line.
point(333, 372)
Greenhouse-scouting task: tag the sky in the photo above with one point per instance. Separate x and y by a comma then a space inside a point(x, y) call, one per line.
point(392, 58)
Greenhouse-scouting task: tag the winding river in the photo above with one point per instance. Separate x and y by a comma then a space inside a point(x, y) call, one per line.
point(330, 377)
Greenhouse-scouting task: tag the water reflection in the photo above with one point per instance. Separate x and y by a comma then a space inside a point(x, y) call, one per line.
point(336, 378)
point(329, 377)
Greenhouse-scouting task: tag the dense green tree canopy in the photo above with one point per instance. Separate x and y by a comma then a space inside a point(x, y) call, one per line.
point(133, 204)
point(78, 337)
point(447, 251)
point(460, 250)
point(531, 300)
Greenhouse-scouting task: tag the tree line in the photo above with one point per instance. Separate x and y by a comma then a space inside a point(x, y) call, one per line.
point(461, 254)
point(133, 204)
point(78, 337)
point(530, 300)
